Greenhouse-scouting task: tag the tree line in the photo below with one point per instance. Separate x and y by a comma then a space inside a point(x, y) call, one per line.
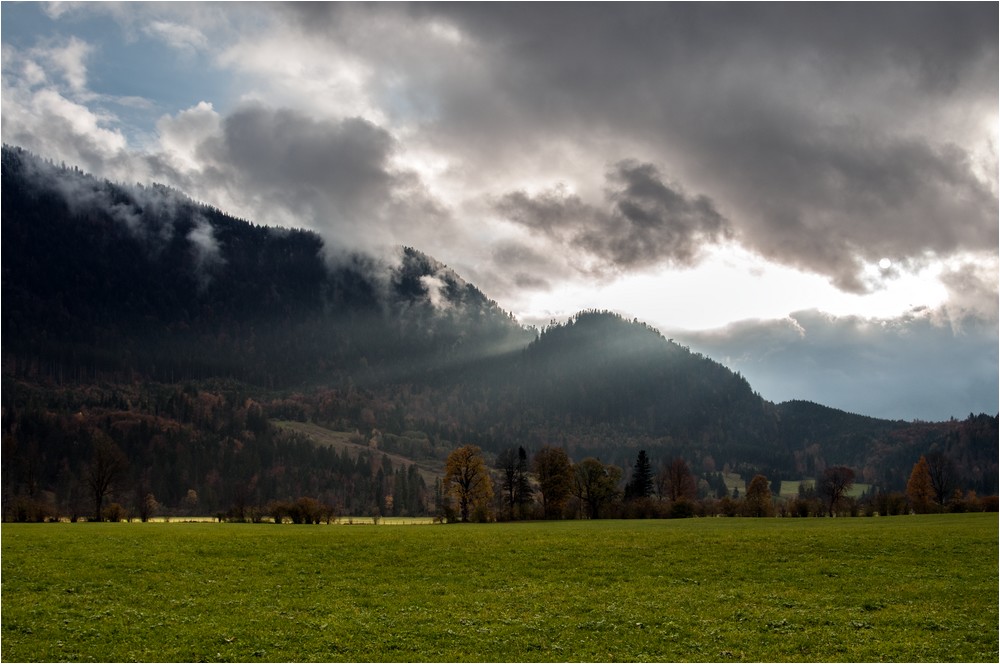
point(175, 450)
point(549, 485)
point(89, 452)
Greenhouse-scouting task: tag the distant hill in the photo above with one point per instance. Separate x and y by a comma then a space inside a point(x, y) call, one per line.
point(604, 386)
point(136, 315)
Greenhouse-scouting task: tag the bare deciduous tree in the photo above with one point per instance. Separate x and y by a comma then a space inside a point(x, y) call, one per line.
point(834, 485)
point(944, 477)
point(675, 481)
point(107, 465)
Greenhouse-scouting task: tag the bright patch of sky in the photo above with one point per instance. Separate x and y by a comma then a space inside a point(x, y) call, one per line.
point(738, 285)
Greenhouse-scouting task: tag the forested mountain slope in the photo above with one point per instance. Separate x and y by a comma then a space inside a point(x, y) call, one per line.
point(103, 280)
point(603, 386)
point(136, 318)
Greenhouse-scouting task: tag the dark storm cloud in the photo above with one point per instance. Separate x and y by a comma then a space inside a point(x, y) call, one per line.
point(653, 220)
point(591, 48)
point(338, 166)
point(646, 221)
point(879, 368)
point(821, 200)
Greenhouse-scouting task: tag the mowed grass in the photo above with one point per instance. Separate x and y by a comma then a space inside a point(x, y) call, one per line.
point(913, 588)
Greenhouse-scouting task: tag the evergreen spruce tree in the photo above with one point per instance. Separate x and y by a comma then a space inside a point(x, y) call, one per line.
point(641, 484)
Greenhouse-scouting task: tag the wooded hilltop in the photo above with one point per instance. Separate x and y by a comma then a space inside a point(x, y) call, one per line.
point(155, 351)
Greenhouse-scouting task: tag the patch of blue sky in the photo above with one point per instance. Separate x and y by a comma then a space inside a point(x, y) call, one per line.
point(135, 77)
point(22, 22)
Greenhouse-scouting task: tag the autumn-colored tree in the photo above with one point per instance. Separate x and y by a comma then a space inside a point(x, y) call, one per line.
point(834, 484)
point(555, 479)
point(919, 489)
point(467, 480)
point(595, 484)
point(676, 482)
point(758, 499)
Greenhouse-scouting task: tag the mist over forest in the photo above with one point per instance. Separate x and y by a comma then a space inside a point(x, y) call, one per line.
point(161, 337)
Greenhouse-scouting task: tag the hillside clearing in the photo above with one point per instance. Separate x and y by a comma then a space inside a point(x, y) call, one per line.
point(343, 441)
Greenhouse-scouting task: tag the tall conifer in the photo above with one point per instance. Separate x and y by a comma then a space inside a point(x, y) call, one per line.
point(641, 485)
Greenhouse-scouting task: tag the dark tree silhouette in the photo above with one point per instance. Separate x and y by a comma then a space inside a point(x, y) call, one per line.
point(554, 472)
point(641, 484)
point(758, 499)
point(596, 484)
point(107, 465)
point(944, 478)
point(523, 493)
point(834, 484)
point(676, 482)
point(517, 492)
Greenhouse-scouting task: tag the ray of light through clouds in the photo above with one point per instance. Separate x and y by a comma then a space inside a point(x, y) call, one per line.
point(806, 192)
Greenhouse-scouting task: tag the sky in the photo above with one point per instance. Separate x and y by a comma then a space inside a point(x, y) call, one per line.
point(807, 193)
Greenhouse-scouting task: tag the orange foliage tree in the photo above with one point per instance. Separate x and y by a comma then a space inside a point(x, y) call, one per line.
point(467, 480)
point(920, 489)
point(758, 500)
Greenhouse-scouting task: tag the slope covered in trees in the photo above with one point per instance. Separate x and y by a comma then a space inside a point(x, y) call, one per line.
point(137, 317)
point(106, 281)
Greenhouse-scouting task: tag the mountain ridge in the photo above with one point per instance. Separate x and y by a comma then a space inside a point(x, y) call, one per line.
point(172, 302)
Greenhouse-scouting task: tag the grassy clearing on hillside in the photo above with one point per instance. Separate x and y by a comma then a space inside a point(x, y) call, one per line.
point(913, 588)
point(790, 488)
point(343, 441)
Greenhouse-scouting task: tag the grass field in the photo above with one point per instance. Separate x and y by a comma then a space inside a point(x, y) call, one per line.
point(913, 588)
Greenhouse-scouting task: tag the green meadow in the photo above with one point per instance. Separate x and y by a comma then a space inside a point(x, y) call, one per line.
point(917, 588)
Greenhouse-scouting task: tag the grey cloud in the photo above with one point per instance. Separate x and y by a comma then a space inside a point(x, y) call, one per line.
point(653, 220)
point(905, 369)
point(817, 127)
point(646, 221)
point(552, 212)
point(302, 161)
point(521, 267)
point(973, 294)
point(589, 48)
point(824, 198)
point(334, 176)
